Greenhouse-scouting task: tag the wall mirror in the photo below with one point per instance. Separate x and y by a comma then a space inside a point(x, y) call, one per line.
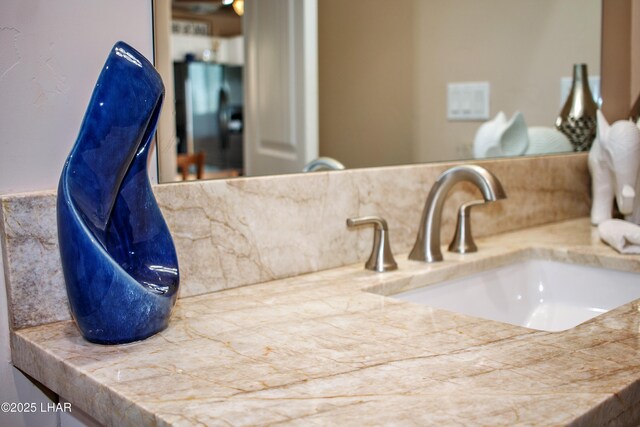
point(390, 77)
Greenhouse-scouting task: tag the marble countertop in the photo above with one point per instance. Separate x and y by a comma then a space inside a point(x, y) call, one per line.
point(324, 349)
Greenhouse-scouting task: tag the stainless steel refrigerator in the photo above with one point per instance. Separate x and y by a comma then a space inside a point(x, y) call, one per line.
point(209, 101)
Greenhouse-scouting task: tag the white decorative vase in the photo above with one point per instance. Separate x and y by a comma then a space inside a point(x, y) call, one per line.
point(546, 140)
point(500, 138)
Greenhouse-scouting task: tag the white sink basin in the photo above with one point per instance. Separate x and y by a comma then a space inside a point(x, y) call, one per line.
point(537, 294)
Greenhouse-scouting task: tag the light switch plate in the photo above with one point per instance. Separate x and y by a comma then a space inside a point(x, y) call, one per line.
point(468, 101)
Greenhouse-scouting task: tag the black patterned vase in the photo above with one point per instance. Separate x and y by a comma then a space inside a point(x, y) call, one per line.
point(577, 119)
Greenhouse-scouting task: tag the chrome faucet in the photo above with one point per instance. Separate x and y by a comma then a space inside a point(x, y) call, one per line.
point(381, 258)
point(323, 164)
point(427, 246)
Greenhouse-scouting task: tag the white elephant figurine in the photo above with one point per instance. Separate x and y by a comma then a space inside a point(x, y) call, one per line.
point(614, 163)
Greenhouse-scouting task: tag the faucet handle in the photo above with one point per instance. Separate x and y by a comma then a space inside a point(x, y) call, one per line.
point(462, 242)
point(381, 258)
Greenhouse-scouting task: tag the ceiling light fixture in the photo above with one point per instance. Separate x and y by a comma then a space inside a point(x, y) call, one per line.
point(238, 6)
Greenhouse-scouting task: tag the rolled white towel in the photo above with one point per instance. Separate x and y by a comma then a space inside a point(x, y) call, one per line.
point(623, 236)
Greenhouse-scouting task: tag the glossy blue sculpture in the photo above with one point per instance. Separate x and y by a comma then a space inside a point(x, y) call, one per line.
point(118, 258)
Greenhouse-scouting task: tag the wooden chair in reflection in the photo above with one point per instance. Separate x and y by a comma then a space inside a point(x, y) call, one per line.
point(185, 161)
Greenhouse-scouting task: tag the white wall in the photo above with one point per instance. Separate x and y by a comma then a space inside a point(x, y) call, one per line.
point(366, 55)
point(384, 69)
point(531, 46)
point(227, 50)
point(51, 53)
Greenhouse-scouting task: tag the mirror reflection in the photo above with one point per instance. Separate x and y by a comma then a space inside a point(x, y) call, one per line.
point(397, 82)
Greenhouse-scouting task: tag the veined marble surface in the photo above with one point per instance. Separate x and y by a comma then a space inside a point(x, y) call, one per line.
point(323, 349)
point(231, 233)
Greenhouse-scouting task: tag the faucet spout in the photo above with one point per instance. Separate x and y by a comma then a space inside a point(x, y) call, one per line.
point(427, 246)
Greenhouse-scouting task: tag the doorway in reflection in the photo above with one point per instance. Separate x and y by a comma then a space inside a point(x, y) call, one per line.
point(209, 115)
point(207, 53)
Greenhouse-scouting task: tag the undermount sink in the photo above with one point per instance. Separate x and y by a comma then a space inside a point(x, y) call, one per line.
point(537, 294)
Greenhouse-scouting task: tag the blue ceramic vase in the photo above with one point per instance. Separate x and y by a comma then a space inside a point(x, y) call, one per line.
point(118, 258)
